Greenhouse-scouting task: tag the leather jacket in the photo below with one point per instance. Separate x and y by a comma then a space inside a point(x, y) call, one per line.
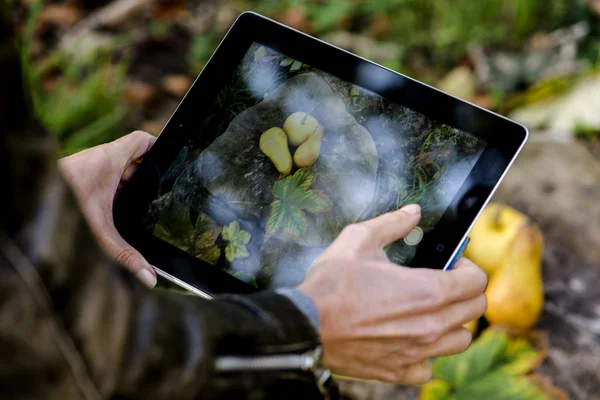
point(73, 325)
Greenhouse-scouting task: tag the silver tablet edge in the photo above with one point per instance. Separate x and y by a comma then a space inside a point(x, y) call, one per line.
point(183, 284)
point(449, 263)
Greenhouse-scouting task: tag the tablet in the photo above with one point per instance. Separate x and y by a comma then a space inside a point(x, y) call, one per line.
point(282, 141)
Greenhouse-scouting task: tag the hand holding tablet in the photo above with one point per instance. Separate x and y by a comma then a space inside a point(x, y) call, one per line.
point(397, 317)
point(285, 140)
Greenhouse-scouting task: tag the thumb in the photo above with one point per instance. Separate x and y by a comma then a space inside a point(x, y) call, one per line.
point(130, 258)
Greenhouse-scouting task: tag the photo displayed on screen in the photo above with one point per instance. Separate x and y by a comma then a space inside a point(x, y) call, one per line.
point(295, 155)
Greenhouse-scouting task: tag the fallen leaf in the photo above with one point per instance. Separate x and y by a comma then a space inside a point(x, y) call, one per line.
point(286, 62)
point(152, 127)
point(594, 5)
point(50, 83)
point(238, 239)
point(168, 10)
point(59, 14)
point(564, 114)
point(495, 366)
point(426, 158)
point(137, 92)
point(176, 85)
point(380, 27)
point(226, 16)
point(296, 18)
point(296, 66)
point(459, 82)
point(260, 53)
point(540, 41)
point(484, 100)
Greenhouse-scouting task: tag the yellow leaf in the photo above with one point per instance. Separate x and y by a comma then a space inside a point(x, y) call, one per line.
point(437, 389)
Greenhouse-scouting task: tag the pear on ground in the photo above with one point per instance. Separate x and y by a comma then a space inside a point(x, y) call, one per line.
point(300, 126)
point(492, 235)
point(306, 155)
point(274, 144)
point(515, 292)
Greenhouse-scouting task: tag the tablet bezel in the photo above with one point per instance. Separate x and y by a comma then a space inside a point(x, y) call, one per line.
point(505, 139)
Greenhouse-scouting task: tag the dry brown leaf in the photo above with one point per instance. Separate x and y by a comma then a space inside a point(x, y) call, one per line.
point(152, 127)
point(168, 10)
point(226, 16)
point(177, 85)
point(59, 14)
point(484, 100)
point(541, 41)
point(50, 83)
point(296, 18)
point(139, 93)
point(380, 27)
point(594, 6)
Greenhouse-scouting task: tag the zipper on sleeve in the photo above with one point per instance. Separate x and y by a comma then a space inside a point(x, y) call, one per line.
point(310, 361)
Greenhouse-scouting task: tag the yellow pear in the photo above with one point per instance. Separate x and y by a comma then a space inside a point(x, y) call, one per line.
point(300, 126)
point(308, 152)
point(515, 292)
point(492, 234)
point(274, 144)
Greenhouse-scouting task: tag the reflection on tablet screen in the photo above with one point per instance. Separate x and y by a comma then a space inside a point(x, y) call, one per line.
point(295, 155)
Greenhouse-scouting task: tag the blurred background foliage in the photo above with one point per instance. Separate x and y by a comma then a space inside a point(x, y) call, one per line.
point(101, 68)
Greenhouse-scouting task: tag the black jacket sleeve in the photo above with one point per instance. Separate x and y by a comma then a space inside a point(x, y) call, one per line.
point(75, 326)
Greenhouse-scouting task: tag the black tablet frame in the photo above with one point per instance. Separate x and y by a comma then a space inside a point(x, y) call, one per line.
point(505, 139)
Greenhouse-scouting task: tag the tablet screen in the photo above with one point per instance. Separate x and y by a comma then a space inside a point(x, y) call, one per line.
point(287, 156)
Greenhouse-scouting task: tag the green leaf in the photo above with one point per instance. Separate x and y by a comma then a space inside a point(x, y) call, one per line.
point(209, 255)
point(520, 357)
point(326, 16)
point(500, 386)
point(238, 239)
point(207, 233)
point(233, 232)
point(493, 368)
point(260, 53)
point(286, 62)
point(294, 199)
point(436, 389)
point(296, 66)
point(174, 227)
point(483, 355)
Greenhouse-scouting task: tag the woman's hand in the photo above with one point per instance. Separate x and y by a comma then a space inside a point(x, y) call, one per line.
point(382, 321)
point(96, 176)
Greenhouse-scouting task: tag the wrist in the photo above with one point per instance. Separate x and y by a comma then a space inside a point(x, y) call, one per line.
point(304, 303)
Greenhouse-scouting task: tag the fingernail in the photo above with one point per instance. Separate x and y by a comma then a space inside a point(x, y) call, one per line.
point(147, 277)
point(412, 209)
